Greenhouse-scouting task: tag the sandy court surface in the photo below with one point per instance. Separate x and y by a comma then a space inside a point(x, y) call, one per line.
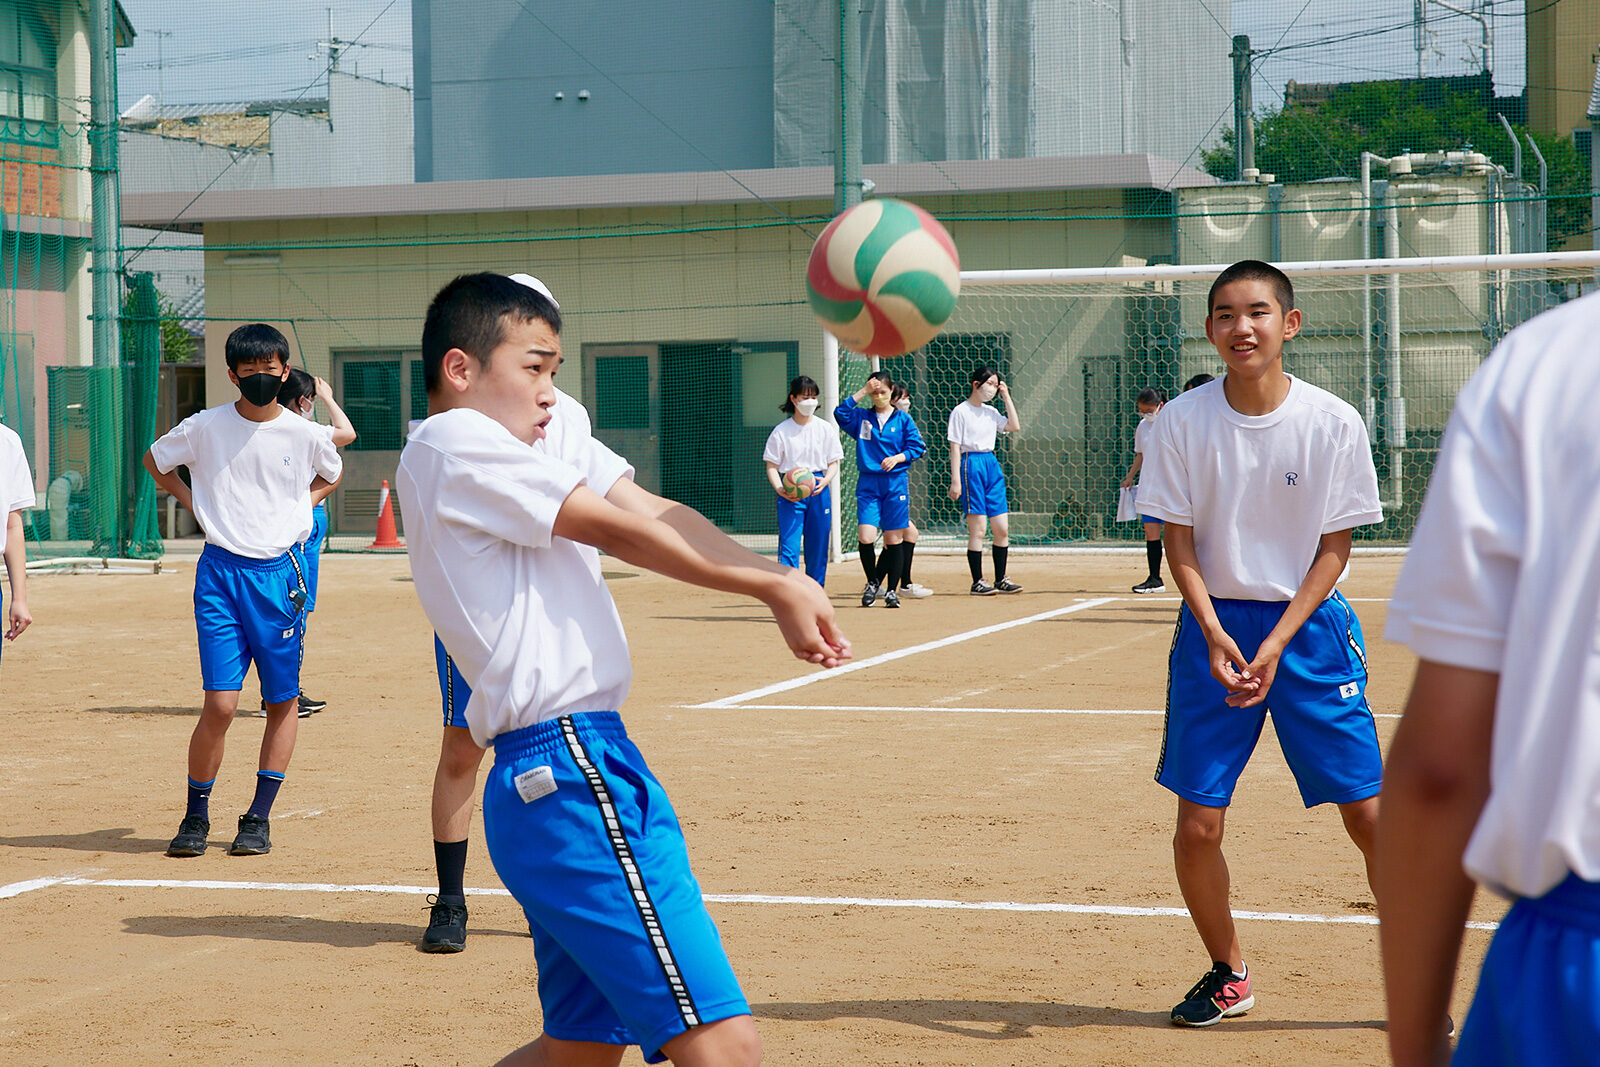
point(871, 801)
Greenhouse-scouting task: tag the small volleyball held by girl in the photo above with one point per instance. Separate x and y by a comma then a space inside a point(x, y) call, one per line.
point(804, 442)
point(976, 480)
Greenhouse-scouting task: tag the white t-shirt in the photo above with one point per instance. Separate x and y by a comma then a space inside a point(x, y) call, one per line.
point(812, 446)
point(525, 615)
point(1259, 490)
point(1502, 577)
point(16, 482)
point(974, 426)
point(1142, 432)
point(251, 480)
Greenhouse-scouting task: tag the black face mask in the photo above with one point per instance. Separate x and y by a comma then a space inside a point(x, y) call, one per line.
point(260, 389)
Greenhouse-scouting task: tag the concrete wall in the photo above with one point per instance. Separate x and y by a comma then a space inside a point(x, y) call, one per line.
point(689, 87)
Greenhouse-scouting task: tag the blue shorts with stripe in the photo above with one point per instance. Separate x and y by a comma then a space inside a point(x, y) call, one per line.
point(250, 610)
point(1538, 999)
point(312, 551)
point(883, 500)
point(585, 839)
point(453, 690)
point(983, 485)
point(1317, 701)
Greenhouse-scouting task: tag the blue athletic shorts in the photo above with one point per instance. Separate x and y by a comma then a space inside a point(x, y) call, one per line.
point(250, 610)
point(983, 485)
point(1151, 520)
point(312, 551)
point(882, 500)
point(585, 839)
point(1538, 999)
point(453, 691)
point(1318, 703)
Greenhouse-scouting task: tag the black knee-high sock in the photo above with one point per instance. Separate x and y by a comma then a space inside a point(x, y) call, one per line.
point(267, 784)
point(450, 857)
point(893, 568)
point(999, 562)
point(975, 565)
point(869, 561)
point(908, 547)
point(1152, 551)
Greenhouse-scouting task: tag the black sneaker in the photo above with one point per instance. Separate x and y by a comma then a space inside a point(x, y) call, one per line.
point(891, 599)
point(447, 925)
point(252, 838)
point(191, 839)
point(310, 706)
point(1006, 585)
point(1217, 996)
point(869, 595)
point(1152, 584)
point(982, 588)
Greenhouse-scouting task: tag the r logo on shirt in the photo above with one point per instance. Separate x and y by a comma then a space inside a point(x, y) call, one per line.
point(286, 462)
point(1292, 478)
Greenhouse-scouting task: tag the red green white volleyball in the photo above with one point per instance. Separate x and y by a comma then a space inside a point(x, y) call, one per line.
point(883, 277)
point(799, 483)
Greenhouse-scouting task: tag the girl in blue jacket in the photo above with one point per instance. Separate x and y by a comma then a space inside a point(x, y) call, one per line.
point(887, 443)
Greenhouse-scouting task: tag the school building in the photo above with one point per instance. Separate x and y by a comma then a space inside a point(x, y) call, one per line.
point(682, 293)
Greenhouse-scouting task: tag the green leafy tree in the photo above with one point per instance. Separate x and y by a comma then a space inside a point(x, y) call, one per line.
point(177, 346)
point(1306, 141)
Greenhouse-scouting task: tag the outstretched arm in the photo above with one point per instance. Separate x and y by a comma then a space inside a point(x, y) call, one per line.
point(1434, 788)
point(798, 604)
point(673, 539)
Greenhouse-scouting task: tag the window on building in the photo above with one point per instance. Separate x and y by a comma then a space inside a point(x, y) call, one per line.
point(27, 76)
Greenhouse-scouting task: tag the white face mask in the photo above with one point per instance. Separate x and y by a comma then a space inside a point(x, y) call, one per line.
point(309, 414)
point(1146, 416)
point(987, 392)
point(904, 404)
point(808, 406)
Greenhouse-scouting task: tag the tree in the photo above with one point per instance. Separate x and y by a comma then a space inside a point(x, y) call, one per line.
point(1305, 141)
point(177, 346)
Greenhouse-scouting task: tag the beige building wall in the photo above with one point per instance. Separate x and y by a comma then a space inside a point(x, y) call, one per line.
point(1561, 43)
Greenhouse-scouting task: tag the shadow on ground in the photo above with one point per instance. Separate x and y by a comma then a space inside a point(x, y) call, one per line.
point(992, 1020)
point(112, 840)
point(298, 929)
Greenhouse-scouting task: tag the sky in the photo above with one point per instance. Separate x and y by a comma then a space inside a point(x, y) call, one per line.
point(228, 50)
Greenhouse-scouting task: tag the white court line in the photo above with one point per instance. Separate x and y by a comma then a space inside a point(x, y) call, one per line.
point(16, 889)
point(721, 898)
point(948, 708)
point(928, 646)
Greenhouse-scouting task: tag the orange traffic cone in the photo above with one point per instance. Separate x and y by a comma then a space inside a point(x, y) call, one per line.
point(386, 536)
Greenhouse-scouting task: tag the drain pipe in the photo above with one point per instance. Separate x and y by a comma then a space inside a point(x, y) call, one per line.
point(1395, 401)
point(1369, 403)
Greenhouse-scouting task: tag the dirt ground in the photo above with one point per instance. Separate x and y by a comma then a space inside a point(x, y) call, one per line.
point(871, 800)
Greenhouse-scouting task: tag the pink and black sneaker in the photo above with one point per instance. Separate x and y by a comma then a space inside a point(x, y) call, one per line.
point(1214, 998)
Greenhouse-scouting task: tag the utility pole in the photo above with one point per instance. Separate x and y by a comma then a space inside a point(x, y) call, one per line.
point(1244, 127)
point(847, 159)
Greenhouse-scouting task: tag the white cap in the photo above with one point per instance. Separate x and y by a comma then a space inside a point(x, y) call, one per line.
point(537, 286)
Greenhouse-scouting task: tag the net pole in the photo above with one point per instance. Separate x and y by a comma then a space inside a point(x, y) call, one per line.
point(830, 400)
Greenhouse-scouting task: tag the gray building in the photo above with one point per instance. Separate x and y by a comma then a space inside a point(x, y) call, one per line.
point(539, 89)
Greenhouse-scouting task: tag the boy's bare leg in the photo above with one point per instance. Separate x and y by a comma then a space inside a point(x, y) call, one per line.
point(1203, 879)
point(1361, 823)
point(277, 741)
point(454, 783)
point(548, 1051)
point(724, 1043)
point(210, 735)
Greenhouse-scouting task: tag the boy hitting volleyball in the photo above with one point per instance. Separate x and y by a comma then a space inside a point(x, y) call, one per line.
point(257, 470)
point(1496, 763)
point(1260, 478)
point(579, 830)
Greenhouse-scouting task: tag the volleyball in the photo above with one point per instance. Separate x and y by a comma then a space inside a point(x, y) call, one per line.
point(883, 277)
point(799, 483)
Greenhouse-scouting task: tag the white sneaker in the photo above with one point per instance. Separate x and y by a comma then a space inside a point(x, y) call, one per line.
point(918, 591)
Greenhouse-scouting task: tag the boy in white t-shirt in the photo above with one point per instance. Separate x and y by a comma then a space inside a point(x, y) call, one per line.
point(16, 496)
point(257, 470)
point(1260, 479)
point(580, 831)
point(1495, 767)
